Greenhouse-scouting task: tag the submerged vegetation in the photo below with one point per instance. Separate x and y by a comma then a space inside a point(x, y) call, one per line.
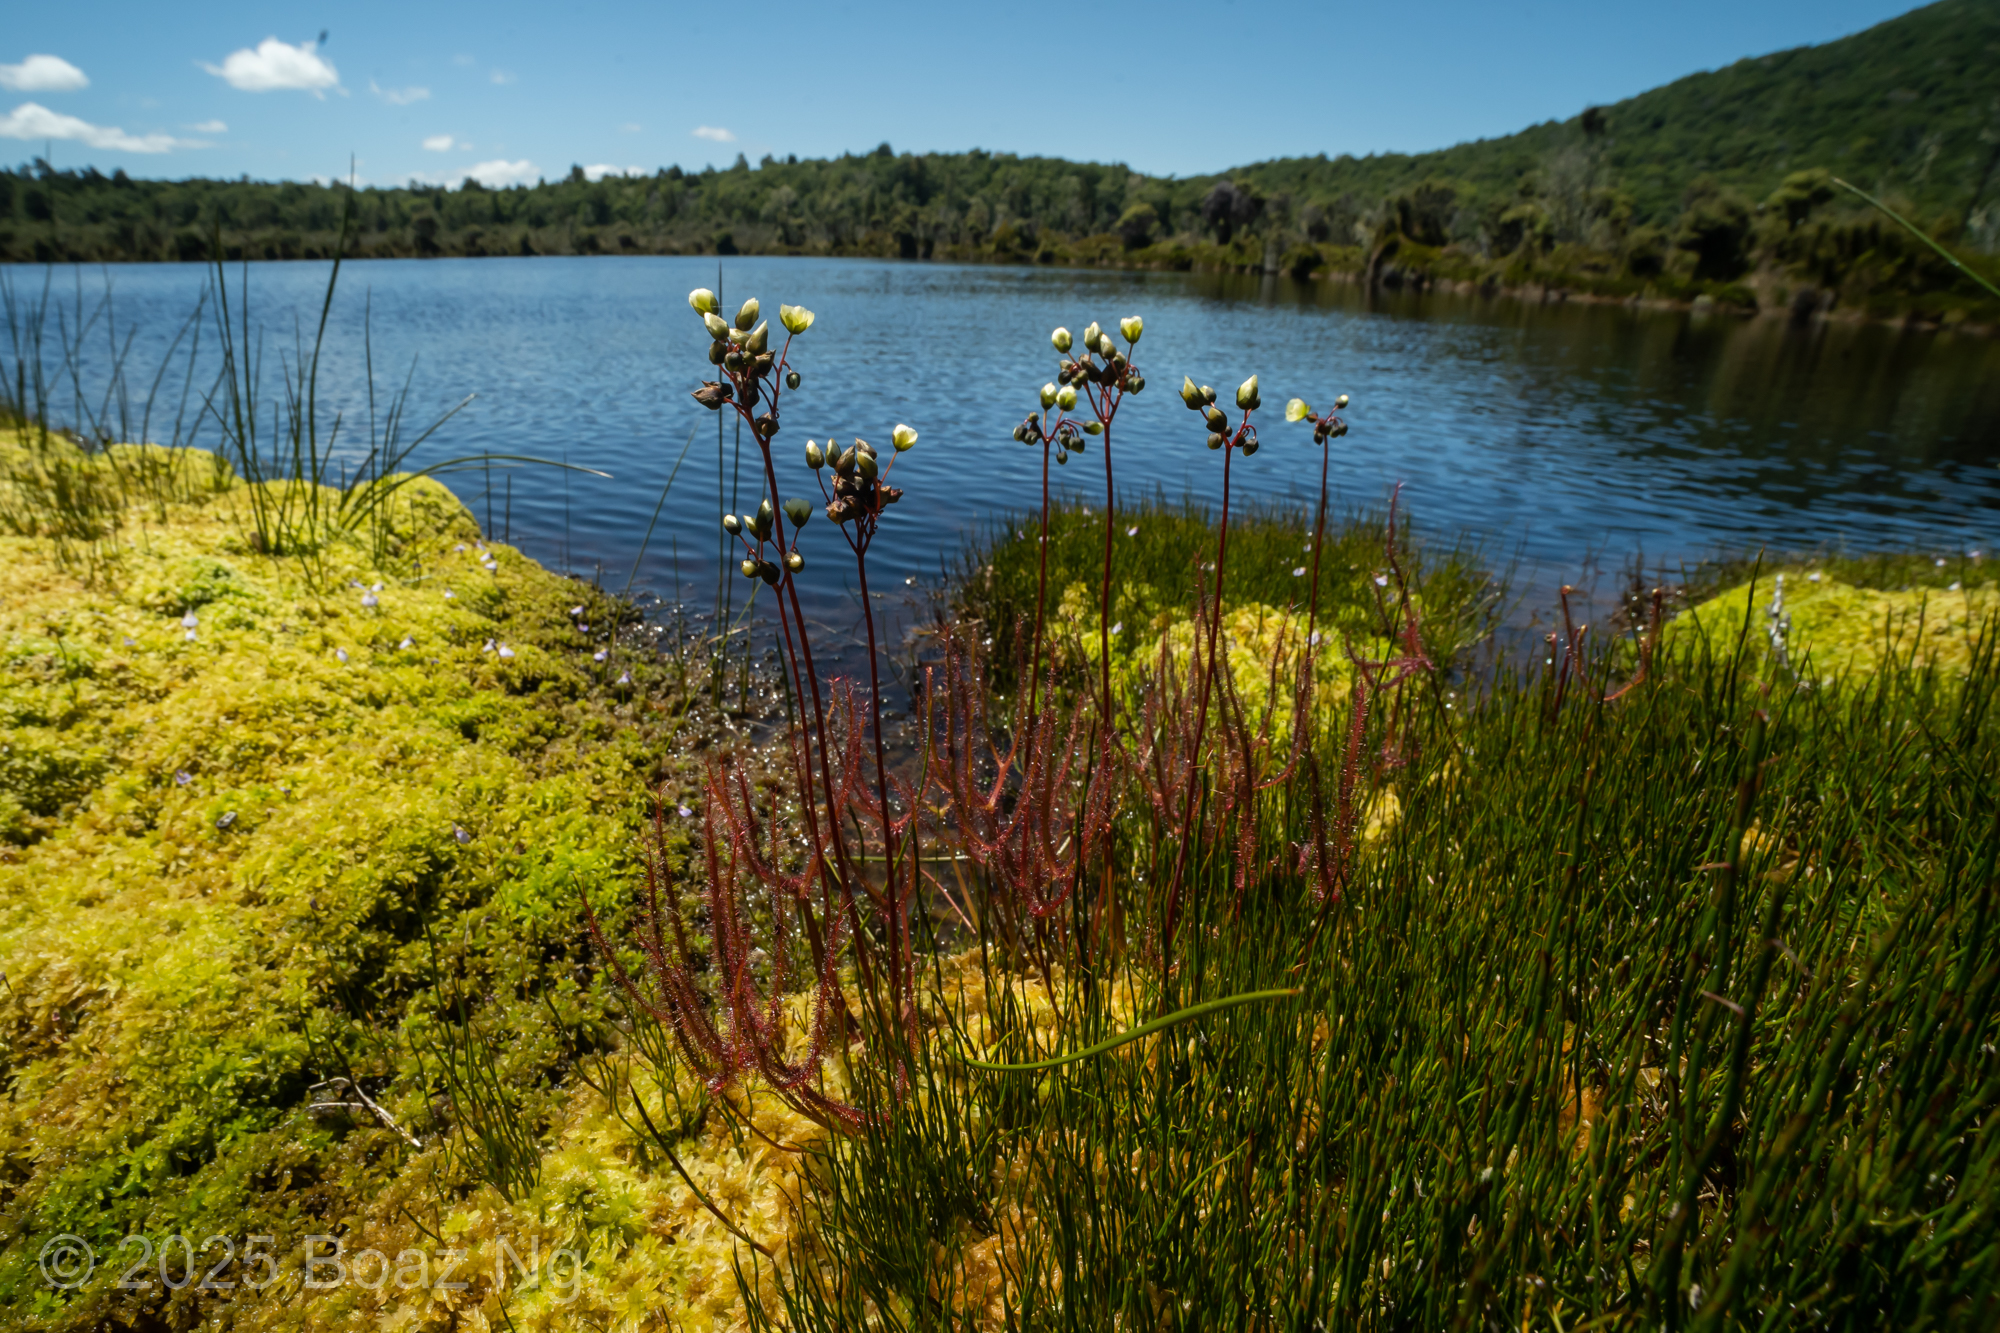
point(1225, 942)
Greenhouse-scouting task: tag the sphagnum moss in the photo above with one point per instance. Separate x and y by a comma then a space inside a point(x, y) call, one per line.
point(232, 803)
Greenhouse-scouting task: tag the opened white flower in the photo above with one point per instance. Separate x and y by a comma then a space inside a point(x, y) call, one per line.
point(904, 437)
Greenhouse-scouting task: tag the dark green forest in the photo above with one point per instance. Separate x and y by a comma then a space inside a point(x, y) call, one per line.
point(1716, 185)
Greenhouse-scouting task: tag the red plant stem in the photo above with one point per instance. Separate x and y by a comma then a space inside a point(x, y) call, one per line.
point(1041, 588)
point(897, 939)
point(1201, 708)
point(1105, 413)
point(1319, 539)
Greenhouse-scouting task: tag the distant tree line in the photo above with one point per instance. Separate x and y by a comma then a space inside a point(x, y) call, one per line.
point(1719, 184)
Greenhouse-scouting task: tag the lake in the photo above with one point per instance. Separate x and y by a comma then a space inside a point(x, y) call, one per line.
point(1571, 437)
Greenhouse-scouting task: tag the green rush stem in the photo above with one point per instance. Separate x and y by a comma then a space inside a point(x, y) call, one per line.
point(1143, 1030)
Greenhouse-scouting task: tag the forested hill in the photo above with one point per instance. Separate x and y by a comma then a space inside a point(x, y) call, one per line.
point(1697, 186)
point(1910, 107)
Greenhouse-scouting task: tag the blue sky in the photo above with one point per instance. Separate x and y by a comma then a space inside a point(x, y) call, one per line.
point(513, 91)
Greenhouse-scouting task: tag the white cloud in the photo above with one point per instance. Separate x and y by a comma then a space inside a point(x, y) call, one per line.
point(275, 66)
point(502, 76)
point(630, 127)
point(441, 143)
point(462, 60)
point(399, 96)
point(30, 121)
point(43, 74)
point(713, 132)
point(209, 127)
point(601, 170)
point(500, 172)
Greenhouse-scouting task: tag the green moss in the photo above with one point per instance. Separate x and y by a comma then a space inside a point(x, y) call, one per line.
point(1838, 629)
point(228, 849)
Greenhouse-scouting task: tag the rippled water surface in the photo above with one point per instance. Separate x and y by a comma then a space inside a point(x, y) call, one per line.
point(1563, 433)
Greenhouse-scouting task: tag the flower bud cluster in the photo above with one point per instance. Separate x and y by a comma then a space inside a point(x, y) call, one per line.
point(1201, 398)
point(755, 530)
point(1328, 427)
point(859, 491)
point(742, 350)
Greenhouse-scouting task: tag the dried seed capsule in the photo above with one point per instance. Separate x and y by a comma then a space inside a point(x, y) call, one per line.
point(749, 568)
point(734, 360)
point(712, 395)
point(1093, 428)
point(1215, 441)
point(767, 425)
point(1249, 446)
point(1135, 383)
point(747, 315)
point(1020, 434)
point(844, 463)
point(791, 379)
point(763, 362)
point(768, 571)
point(716, 351)
point(750, 394)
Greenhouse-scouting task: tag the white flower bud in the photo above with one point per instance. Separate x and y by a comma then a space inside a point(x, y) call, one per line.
point(1246, 394)
point(904, 437)
point(731, 524)
point(795, 318)
point(1297, 410)
point(1131, 326)
point(703, 301)
point(795, 562)
point(747, 316)
point(1190, 394)
point(1066, 397)
point(758, 341)
point(716, 328)
point(749, 568)
point(1340, 402)
point(1049, 395)
point(815, 456)
point(1061, 340)
point(1091, 334)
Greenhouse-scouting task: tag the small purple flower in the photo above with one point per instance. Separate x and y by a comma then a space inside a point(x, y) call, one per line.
point(684, 812)
point(1381, 580)
point(370, 599)
point(182, 778)
point(190, 620)
point(460, 834)
point(228, 818)
point(505, 651)
point(488, 648)
point(1132, 531)
point(599, 655)
point(576, 610)
point(1299, 572)
point(341, 653)
point(625, 679)
point(448, 592)
point(407, 642)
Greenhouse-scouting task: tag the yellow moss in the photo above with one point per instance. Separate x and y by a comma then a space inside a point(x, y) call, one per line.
point(1839, 630)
